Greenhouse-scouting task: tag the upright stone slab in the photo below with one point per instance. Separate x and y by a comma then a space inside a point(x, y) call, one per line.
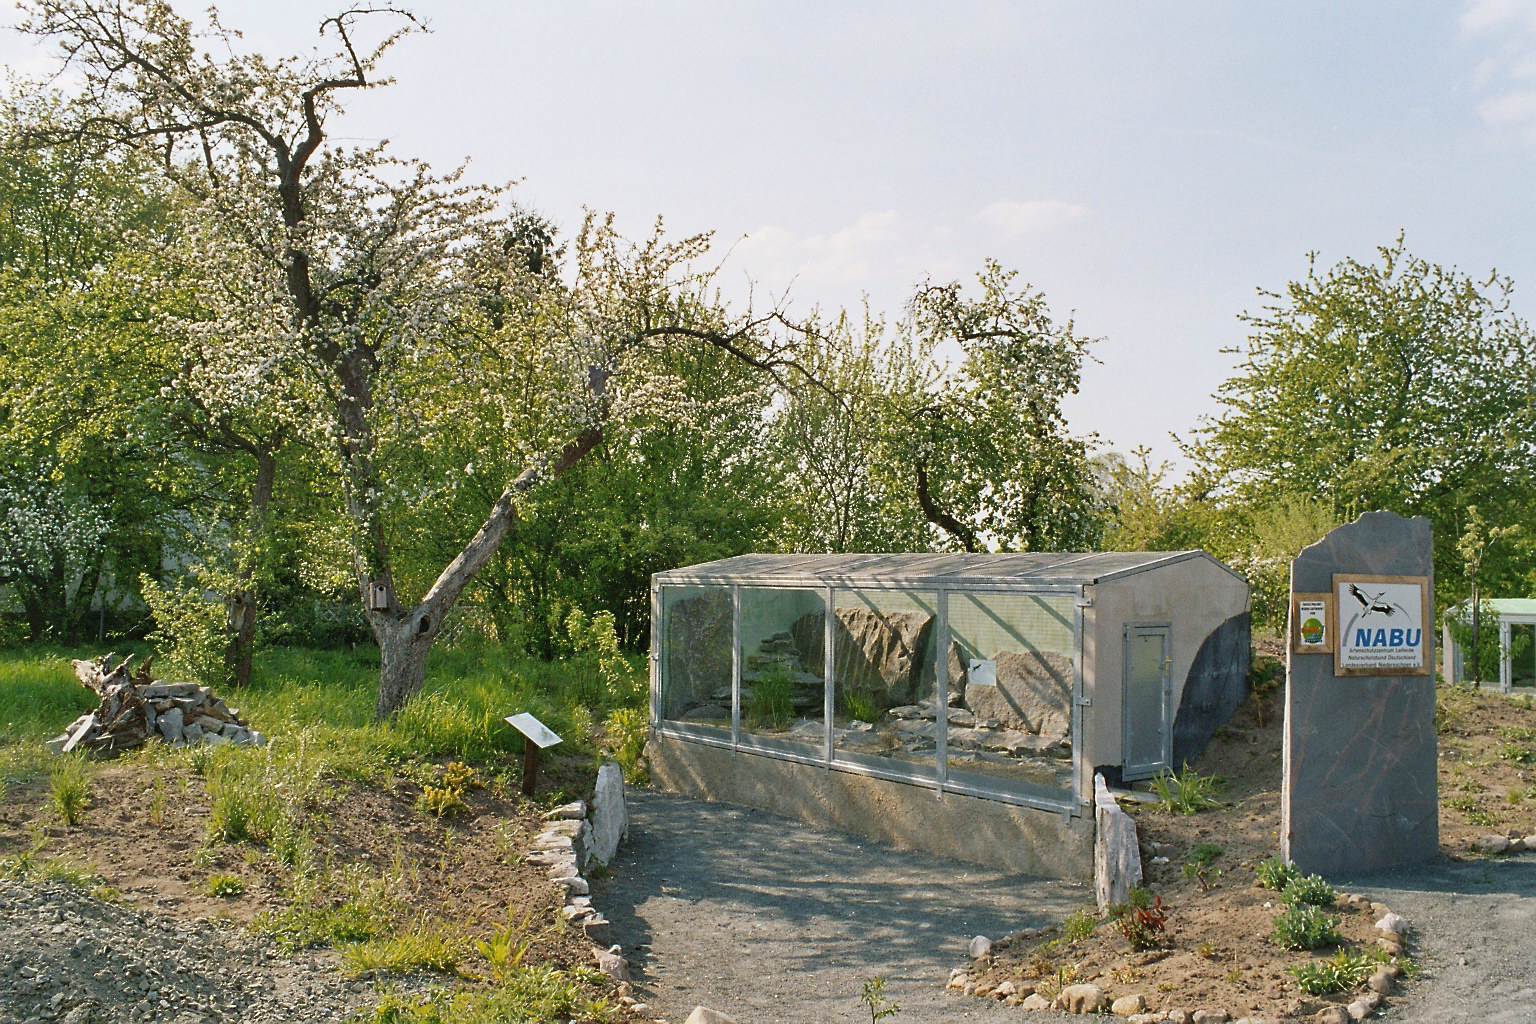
point(1360, 791)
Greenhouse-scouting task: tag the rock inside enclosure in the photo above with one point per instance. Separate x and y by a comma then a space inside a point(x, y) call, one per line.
point(136, 708)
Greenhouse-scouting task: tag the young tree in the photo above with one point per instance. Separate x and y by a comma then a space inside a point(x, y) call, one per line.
point(366, 275)
point(1396, 384)
point(991, 461)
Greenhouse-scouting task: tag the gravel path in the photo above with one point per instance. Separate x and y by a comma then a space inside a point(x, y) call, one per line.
point(1474, 925)
point(773, 922)
point(66, 956)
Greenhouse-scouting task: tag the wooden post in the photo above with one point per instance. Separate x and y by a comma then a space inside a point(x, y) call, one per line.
point(530, 766)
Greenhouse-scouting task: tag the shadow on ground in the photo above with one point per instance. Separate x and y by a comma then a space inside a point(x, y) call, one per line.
point(772, 921)
point(1472, 932)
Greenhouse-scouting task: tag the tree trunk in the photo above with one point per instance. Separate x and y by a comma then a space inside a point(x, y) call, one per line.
point(240, 651)
point(404, 642)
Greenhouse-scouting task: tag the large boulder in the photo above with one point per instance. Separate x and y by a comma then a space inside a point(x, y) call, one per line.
point(1033, 693)
point(610, 815)
point(697, 647)
point(874, 652)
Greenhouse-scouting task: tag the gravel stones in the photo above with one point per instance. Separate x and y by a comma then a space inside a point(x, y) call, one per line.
point(68, 957)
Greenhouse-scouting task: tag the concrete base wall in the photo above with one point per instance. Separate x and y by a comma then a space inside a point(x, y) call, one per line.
point(1022, 839)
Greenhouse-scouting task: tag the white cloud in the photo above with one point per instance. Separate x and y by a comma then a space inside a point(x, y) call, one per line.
point(1015, 219)
point(880, 254)
point(1506, 76)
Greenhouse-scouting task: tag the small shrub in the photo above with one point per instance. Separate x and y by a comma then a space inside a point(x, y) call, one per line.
point(1187, 792)
point(875, 1001)
point(1274, 873)
point(441, 801)
point(1339, 973)
point(1079, 926)
point(1308, 889)
point(69, 789)
point(1141, 918)
point(1066, 976)
point(628, 730)
point(1304, 926)
point(226, 885)
point(1465, 803)
point(1200, 867)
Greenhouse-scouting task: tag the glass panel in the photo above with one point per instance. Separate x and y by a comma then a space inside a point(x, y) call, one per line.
point(1522, 654)
point(1010, 715)
point(1145, 711)
point(696, 657)
point(883, 645)
point(783, 692)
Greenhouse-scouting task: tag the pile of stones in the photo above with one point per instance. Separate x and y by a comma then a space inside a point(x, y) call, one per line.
point(136, 708)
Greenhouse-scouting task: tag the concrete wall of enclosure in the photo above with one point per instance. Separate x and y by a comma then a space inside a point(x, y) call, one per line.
point(866, 691)
point(1516, 618)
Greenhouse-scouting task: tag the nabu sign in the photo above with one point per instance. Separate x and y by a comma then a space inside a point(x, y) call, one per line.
point(1381, 625)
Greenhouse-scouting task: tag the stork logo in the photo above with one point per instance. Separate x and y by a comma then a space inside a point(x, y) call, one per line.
point(1383, 624)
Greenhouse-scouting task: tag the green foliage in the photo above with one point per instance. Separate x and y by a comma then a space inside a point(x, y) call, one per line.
point(1392, 384)
point(26, 866)
point(530, 994)
point(424, 945)
point(1341, 972)
point(771, 705)
point(1187, 792)
point(1200, 867)
point(1079, 925)
point(1310, 889)
point(1304, 926)
point(226, 885)
point(1141, 918)
point(627, 732)
point(505, 948)
point(69, 788)
point(860, 705)
point(332, 909)
point(1274, 873)
point(189, 634)
point(447, 799)
point(874, 1000)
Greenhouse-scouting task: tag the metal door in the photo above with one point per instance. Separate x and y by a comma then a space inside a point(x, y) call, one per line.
point(1148, 732)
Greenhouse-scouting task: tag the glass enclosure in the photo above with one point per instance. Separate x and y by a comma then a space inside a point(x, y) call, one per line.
point(968, 690)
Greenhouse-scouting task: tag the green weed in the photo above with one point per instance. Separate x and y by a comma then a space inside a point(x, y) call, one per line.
point(1187, 792)
point(1079, 926)
point(1339, 973)
point(226, 885)
point(1304, 926)
point(69, 788)
point(1141, 918)
point(1274, 873)
point(874, 999)
point(530, 994)
point(425, 945)
point(1312, 889)
point(1200, 867)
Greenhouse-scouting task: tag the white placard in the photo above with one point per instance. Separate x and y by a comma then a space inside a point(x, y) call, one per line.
point(1381, 625)
point(534, 729)
point(981, 672)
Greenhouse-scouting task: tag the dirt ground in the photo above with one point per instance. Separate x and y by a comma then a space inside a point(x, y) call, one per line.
point(144, 834)
point(1215, 952)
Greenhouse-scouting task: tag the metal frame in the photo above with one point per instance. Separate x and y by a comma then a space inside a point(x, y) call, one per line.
point(829, 758)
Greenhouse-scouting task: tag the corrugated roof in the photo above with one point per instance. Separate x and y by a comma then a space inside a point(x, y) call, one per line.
point(1033, 567)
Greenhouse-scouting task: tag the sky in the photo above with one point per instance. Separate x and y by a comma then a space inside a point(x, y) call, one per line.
point(1149, 168)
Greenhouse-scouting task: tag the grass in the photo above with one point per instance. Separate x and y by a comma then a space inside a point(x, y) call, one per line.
point(424, 945)
point(1187, 792)
point(69, 788)
point(316, 707)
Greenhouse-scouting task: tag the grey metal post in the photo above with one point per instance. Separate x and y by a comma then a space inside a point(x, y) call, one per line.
point(941, 698)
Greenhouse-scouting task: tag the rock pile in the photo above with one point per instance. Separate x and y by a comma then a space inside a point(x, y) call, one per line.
point(135, 708)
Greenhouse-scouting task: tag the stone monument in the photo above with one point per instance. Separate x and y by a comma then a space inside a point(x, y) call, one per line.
point(1360, 791)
